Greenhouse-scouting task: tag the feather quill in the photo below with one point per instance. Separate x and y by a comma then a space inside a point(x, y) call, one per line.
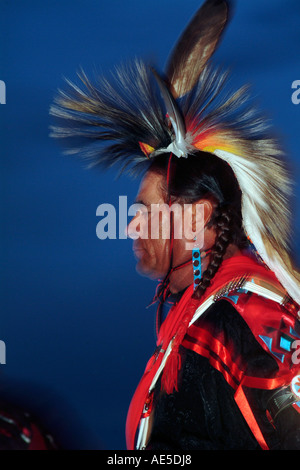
point(178, 146)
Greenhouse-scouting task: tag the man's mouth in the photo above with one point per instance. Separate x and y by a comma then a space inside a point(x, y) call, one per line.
point(138, 251)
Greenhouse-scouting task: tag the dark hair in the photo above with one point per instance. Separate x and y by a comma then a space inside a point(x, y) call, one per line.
point(199, 176)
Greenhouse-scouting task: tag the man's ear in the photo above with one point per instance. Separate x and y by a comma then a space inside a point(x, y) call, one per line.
point(199, 213)
point(203, 216)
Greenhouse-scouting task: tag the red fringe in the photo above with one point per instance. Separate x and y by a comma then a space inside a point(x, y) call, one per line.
point(169, 380)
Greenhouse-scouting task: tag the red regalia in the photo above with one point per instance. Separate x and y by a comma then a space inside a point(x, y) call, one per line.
point(275, 327)
point(136, 121)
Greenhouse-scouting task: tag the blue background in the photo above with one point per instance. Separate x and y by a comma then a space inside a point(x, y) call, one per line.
point(73, 314)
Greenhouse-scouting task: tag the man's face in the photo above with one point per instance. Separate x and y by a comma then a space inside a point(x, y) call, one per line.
point(150, 229)
point(152, 254)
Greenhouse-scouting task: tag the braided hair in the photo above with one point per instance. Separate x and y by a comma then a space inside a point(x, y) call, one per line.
point(224, 226)
point(204, 175)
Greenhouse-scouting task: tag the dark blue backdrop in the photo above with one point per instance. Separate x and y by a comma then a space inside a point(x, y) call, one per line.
point(73, 314)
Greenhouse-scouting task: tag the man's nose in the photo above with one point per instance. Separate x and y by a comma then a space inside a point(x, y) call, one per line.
point(130, 230)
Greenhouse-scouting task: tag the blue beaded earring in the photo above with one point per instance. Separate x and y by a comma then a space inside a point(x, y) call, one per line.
point(196, 259)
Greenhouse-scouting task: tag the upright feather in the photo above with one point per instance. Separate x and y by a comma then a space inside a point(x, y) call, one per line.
point(196, 45)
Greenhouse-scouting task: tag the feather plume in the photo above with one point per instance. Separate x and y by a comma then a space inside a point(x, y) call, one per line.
point(105, 122)
point(196, 45)
point(266, 215)
point(228, 125)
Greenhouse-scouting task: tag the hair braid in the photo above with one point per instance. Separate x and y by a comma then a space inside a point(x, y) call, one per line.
point(223, 221)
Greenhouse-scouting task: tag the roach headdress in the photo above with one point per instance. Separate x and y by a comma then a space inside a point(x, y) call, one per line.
point(140, 114)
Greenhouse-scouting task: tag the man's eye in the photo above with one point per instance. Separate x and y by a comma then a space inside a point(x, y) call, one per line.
point(142, 213)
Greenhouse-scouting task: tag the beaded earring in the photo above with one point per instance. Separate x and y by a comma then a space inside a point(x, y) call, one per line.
point(196, 259)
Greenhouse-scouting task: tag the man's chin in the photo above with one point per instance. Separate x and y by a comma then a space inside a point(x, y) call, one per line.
point(146, 271)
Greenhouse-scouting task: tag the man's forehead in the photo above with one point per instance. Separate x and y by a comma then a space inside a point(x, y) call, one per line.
point(151, 189)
